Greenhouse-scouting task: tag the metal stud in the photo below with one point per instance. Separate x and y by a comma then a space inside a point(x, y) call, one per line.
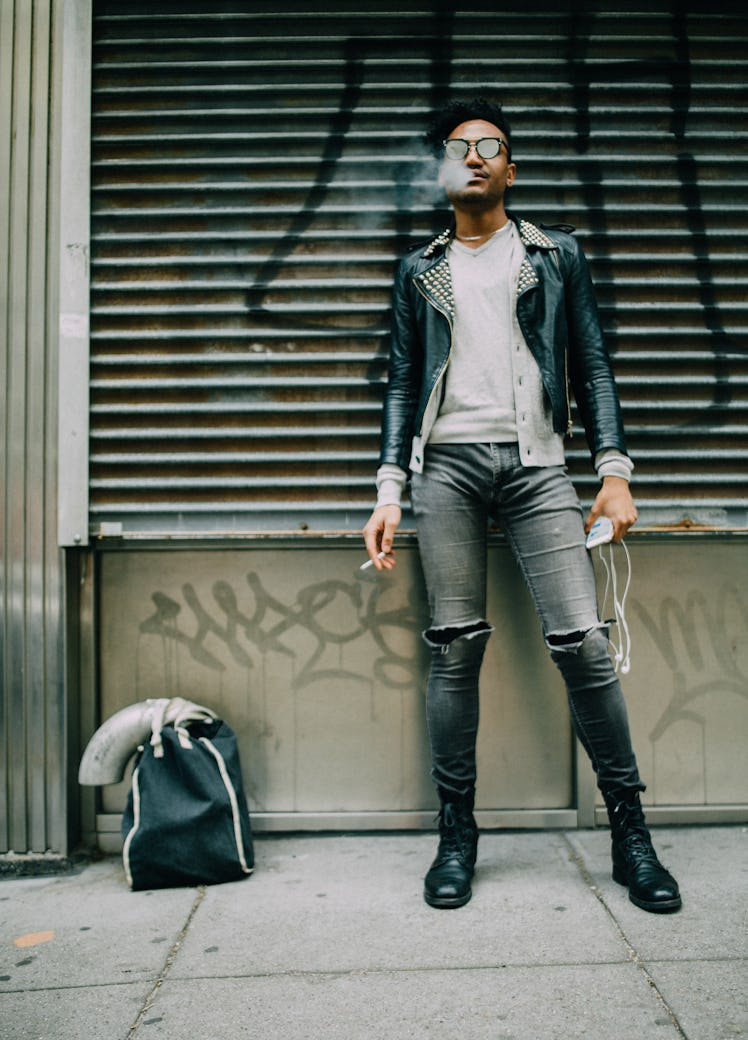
point(532, 235)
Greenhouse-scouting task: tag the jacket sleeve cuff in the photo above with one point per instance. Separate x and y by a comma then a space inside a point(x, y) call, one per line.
point(390, 485)
point(613, 463)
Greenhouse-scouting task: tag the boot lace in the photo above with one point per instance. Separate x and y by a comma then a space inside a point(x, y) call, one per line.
point(455, 834)
point(633, 838)
point(638, 848)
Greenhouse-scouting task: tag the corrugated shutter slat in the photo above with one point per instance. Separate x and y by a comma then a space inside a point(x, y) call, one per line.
point(256, 174)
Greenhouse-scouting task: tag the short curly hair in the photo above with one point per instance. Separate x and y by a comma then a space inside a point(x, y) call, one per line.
point(456, 111)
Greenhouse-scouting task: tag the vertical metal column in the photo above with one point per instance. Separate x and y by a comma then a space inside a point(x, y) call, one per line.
point(33, 720)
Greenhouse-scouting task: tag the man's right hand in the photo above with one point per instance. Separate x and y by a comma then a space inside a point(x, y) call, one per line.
point(379, 533)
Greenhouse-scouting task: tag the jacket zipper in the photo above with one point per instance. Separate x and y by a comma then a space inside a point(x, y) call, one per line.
point(569, 424)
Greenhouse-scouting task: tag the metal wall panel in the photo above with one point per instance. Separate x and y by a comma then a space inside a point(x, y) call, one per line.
point(322, 672)
point(33, 776)
point(256, 172)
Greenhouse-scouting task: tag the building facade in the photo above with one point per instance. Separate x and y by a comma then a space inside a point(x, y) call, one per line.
point(202, 207)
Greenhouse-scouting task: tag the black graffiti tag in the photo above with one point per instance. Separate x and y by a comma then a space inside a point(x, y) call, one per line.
point(332, 612)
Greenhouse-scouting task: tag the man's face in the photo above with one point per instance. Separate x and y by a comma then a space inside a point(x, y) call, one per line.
point(473, 180)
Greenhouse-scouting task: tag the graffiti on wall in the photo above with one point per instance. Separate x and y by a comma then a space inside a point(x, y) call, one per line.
point(241, 627)
point(697, 641)
point(668, 63)
point(271, 647)
point(702, 644)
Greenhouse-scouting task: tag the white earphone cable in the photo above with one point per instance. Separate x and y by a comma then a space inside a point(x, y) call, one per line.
point(622, 645)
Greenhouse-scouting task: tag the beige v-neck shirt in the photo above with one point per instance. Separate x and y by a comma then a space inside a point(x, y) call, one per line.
point(493, 388)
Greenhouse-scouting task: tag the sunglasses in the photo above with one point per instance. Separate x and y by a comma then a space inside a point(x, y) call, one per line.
point(485, 147)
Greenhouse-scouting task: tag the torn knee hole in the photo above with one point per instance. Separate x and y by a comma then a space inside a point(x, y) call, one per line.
point(571, 641)
point(444, 636)
point(566, 639)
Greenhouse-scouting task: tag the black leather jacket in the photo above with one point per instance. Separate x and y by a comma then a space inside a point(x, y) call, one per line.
point(557, 313)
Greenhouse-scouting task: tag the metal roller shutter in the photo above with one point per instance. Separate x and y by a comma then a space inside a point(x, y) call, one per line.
point(256, 173)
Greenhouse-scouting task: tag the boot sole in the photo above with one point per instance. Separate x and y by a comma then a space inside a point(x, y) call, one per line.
point(450, 903)
point(661, 906)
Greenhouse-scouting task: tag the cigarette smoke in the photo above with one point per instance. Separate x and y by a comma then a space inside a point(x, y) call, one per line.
point(431, 179)
point(421, 185)
point(453, 176)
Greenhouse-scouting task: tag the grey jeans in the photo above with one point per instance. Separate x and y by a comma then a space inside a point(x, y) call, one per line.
point(462, 487)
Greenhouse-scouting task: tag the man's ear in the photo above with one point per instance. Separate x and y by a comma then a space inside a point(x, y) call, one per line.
point(511, 173)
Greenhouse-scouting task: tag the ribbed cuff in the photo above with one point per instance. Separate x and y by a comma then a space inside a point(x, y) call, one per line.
point(390, 485)
point(613, 463)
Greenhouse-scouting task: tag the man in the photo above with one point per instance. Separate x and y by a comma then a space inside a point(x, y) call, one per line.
point(492, 321)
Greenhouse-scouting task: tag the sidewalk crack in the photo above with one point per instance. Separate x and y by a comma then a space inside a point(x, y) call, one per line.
point(633, 956)
point(167, 965)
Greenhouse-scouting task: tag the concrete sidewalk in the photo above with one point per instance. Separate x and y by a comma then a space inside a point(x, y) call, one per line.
point(330, 938)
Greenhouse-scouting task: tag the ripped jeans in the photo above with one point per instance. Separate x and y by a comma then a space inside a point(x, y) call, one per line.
point(462, 487)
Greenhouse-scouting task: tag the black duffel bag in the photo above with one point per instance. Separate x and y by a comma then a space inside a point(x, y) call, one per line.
point(186, 821)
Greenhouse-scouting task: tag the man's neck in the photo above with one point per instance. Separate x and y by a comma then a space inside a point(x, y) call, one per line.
point(474, 228)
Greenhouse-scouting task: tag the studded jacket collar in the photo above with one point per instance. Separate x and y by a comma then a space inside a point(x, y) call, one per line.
point(437, 278)
point(557, 313)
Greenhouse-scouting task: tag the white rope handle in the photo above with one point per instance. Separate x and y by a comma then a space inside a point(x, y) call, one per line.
point(179, 713)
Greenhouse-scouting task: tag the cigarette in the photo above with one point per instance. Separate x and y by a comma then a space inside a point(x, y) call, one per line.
point(370, 563)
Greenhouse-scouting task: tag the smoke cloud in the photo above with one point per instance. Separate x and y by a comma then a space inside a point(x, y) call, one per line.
point(429, 180)
point(453, 176)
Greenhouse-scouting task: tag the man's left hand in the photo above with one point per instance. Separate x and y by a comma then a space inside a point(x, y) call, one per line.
point(614, 501)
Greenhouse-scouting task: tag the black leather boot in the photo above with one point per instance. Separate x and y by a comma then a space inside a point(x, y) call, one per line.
point(635, 863)
point(447, 884)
